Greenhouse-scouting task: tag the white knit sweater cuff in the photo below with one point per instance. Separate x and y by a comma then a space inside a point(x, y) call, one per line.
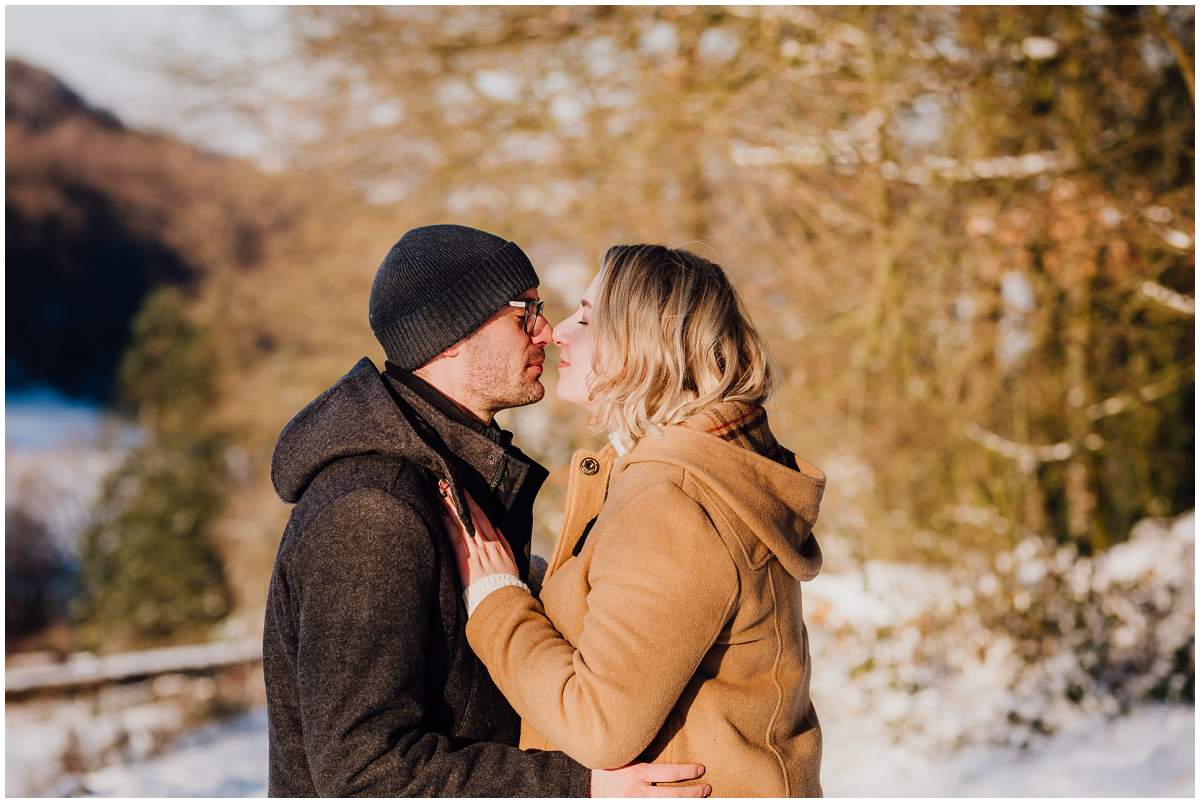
point(475, 593)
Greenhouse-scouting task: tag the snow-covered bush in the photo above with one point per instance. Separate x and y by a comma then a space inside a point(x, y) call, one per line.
point(1115, 629)
point(1010, 651)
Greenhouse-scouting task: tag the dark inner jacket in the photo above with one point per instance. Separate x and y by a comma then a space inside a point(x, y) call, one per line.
point(372, 688)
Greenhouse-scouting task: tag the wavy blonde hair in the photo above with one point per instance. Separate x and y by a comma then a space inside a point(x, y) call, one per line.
point(672, 337)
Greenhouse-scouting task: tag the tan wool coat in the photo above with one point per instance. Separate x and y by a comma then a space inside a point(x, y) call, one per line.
point(670, 629)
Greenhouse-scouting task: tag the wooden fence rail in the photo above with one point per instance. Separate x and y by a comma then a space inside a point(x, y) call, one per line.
point(84, 670)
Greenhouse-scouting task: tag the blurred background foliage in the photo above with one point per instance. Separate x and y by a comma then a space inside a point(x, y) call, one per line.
point(150, 572)
point(966, 232)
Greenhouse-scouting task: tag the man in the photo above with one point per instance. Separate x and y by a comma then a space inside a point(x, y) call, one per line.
point(372, 688)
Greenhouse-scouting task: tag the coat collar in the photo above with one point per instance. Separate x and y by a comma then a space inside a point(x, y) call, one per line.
point(445, 405)
point(508, 473)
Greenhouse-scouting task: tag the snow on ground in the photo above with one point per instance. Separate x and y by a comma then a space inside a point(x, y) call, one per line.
point(907, 709)
point(219, 760)
point(1147, 754)
point(1150, 753)
point(919, 643)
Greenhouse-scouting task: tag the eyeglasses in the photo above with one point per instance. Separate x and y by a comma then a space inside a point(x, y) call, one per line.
point(533, 310)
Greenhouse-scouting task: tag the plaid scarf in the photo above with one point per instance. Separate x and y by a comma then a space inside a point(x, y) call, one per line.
point(744, 424)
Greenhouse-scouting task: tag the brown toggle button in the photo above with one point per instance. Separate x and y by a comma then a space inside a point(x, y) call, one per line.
point(589, 466)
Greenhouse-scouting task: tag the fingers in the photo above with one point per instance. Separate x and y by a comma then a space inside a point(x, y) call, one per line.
point(507, 549)
point(483, 525)
point(487, 552)
point(673, 773)
point(461, 541)
point(451, 510)
point(460, 538)
point(484, 529)
point(670, 773)
point(494, 559)
point(695, 790)
point(487, 531)
point(497, 558)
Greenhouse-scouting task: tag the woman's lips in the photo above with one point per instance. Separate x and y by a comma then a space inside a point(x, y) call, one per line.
point(563, 363)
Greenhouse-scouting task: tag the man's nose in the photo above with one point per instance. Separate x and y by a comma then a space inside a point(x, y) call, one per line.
point(543, 332)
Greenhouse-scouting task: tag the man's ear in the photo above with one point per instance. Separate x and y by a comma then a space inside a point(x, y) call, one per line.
point(448, 353)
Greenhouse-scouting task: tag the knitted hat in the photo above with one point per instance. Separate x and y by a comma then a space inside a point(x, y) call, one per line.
point(440, 283)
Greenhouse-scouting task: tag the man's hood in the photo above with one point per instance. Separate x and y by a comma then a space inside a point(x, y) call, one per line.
point(773, 503)
point(356, 416)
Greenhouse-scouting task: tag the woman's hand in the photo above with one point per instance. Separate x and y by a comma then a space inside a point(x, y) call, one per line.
point(487, 552)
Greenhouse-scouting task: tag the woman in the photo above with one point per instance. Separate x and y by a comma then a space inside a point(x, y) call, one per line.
point(669, 622)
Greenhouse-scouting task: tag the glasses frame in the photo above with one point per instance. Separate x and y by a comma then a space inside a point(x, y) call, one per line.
point(533, 311)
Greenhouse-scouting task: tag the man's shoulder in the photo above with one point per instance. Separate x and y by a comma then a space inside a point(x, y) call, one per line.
point(393, 474)
point(385, 488)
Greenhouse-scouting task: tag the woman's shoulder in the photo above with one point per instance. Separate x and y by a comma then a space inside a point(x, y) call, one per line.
point(663, 457)
point(632, 468)
point(655, 482)
point(658, 506)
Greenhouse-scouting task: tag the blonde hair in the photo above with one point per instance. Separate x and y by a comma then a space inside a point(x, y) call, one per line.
point(671, 338)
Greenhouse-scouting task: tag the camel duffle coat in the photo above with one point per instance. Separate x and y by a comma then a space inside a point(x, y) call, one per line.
point(669, 627)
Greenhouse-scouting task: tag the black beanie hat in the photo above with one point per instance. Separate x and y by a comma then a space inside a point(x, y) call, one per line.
point(440, 283)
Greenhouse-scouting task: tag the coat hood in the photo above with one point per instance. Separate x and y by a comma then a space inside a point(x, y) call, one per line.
point(356, 416)
point(775, 504)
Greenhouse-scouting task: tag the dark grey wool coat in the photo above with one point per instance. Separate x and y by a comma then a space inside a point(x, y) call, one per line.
point(372, 688)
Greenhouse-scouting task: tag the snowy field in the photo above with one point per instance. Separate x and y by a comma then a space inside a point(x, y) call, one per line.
point(1147, 754)
point(227, 760)
point(1150, 753)
point(912, 706)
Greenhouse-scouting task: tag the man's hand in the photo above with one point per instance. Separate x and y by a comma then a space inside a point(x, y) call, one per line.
point(637, 780)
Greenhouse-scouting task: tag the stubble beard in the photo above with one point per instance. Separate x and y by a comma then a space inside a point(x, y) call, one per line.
point(494, 384)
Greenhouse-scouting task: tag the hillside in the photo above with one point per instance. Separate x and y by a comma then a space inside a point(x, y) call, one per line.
point(100, 217)
point(97, 215)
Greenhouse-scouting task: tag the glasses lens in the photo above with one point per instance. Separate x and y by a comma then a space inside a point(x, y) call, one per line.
point(532, 310)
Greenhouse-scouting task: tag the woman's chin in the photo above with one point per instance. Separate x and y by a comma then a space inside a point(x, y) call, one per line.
point(565, 392)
